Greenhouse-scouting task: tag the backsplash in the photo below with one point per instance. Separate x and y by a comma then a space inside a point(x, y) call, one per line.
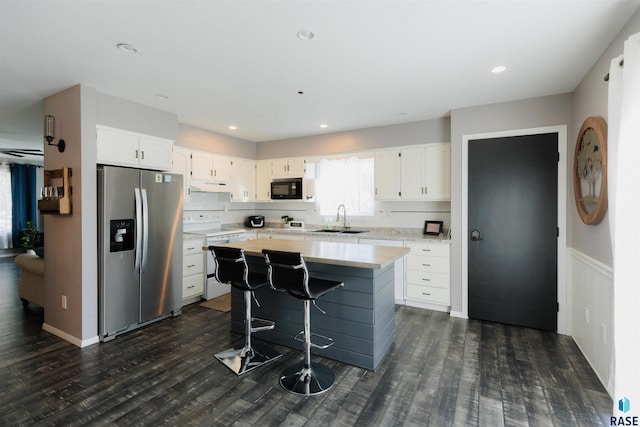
point(387, 214)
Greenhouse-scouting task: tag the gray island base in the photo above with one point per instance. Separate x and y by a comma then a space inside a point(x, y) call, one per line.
point(360, 316)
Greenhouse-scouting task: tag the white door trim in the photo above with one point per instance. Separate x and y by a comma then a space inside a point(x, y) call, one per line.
point(561, 130)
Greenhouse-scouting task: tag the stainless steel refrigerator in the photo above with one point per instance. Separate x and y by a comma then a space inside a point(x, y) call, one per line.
point(139, 248)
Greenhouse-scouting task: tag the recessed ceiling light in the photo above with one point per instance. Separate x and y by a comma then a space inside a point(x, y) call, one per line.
point(498, 69)
point(233, 127)
point(306, 35)
point(324, 126)
point(127, 47)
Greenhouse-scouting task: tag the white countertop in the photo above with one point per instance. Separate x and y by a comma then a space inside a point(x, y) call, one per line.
point(335, 253)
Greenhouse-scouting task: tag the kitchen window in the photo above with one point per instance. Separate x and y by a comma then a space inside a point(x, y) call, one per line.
point(347, 181)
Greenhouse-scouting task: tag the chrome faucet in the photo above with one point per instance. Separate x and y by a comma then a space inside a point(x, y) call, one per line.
point(345, 224)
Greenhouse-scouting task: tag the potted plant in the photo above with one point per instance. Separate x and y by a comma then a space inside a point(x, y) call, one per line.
point(29, 237)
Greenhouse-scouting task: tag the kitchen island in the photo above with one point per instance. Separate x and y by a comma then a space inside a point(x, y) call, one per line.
point(360, 316)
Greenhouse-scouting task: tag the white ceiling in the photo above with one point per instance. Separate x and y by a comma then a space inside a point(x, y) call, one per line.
point(240, 62)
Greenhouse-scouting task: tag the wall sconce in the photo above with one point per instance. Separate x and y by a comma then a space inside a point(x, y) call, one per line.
point(49, 129)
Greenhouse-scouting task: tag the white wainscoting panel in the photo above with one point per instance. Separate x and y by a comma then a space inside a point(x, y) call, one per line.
point(591, 287)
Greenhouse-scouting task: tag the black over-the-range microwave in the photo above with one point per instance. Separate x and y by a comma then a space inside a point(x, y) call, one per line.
point(286, 188)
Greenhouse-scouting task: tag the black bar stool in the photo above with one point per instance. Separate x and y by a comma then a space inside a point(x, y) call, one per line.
point(287, 271)
point(231, 268)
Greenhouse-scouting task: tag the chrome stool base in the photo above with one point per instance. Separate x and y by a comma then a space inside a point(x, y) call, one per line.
point(304, 381)
point(245, 360)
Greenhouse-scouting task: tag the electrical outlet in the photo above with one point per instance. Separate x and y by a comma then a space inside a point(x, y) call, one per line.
point(64, 301)
point(586, 315)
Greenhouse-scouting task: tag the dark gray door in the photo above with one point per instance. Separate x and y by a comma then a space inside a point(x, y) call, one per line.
point(513, 214)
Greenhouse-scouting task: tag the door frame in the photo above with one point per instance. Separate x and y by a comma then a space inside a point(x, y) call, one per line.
point(561, 131)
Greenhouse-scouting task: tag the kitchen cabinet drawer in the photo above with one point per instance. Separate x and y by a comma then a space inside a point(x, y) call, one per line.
point(430, 249)
point(192, 246)
point(428, 294)
point(427, 263)
point(192, 264)
point(192, 286)
point(438, 280)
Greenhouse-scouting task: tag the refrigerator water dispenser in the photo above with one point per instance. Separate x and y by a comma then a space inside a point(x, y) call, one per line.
point(121, 235)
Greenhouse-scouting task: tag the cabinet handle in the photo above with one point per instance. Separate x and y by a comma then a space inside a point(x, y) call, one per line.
point(426, 250)
point(136, 154)
point(426, 293)
point(191, 287)
point(142, 155)
point(190, 249)
point(192, 265)
point(426, 265)
point(426, 280)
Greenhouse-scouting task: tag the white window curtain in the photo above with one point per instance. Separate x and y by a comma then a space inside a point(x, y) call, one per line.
point(624, 208)
point(345, 181)
point(5, 206)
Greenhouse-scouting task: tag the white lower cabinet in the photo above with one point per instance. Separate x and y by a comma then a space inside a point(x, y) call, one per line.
point(193, 269)
point(427, 275)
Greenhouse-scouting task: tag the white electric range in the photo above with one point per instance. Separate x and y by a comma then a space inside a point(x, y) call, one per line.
point(208, 224)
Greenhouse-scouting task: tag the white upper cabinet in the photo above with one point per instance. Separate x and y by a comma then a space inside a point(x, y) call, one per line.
point(437, 170)
point(292, 167)
point(221, 168)
point(210, 168)
point(182, 165)
point(201, 166)
point(263, 180)
point(208, 172)
point(243, 180)
point(387, 175)
point(414, 173)
point(123, 148)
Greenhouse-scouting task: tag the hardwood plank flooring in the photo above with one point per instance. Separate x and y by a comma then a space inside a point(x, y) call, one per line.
point(440, 371)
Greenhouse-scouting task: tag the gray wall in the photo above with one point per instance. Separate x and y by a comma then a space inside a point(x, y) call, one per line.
point(422, 132)
point(591, 99)
point(70, 244)
point(70, 240)
point(529, 113)
point(200, 139)
point(122, 114)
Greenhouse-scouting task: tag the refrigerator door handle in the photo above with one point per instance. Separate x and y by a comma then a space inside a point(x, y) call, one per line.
point(145, 225)
point(136, 192)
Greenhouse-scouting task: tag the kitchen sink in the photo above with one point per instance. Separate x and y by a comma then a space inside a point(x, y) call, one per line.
point(341, 231)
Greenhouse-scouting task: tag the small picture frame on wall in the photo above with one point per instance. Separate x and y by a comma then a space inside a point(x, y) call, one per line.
point(433, 227)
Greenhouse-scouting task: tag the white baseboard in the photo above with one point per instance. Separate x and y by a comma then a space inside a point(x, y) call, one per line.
point(70, 338)
point(428, 306)
point(459, 314)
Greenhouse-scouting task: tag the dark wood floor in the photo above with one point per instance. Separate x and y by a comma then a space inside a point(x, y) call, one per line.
point(441, 371)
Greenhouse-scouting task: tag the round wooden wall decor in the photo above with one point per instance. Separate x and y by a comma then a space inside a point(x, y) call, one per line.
point(590, 171)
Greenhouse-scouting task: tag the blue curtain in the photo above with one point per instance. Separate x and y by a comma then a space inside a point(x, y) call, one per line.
point(23, 198)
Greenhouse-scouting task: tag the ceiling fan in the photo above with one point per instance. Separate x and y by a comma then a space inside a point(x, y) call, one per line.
point(21, 152)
